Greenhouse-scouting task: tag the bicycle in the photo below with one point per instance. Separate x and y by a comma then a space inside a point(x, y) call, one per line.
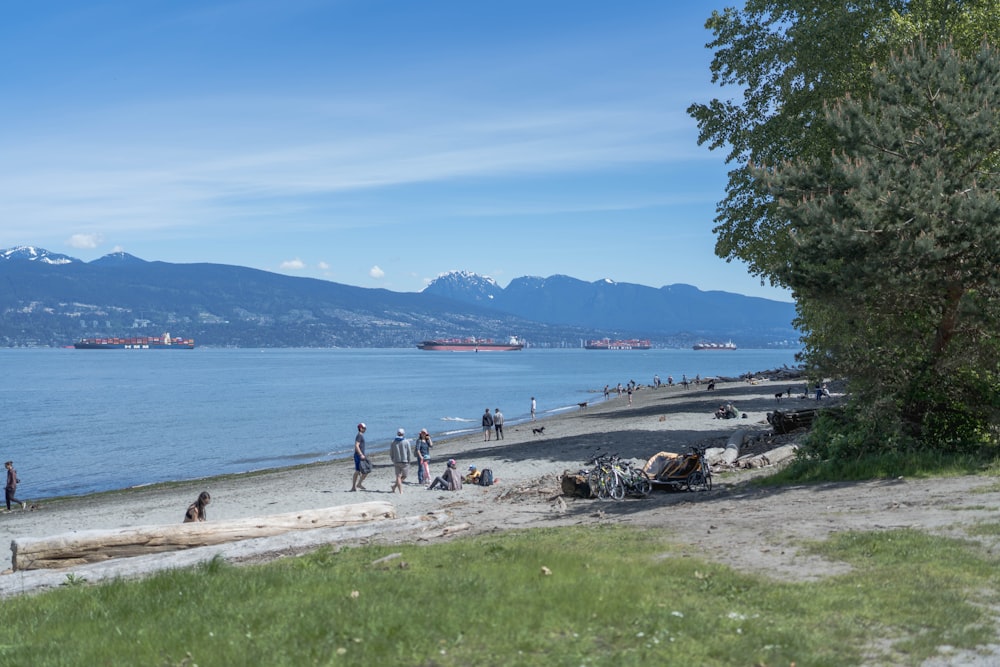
point(614, 477)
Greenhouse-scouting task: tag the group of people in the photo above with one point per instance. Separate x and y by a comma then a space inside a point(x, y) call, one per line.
point(494, 422)
point(402, 453)
point(727, 411)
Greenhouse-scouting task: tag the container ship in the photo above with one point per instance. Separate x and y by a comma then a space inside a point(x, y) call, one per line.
point(513, 344)
point(716, 346)
point(164, 342)
point(608, 344)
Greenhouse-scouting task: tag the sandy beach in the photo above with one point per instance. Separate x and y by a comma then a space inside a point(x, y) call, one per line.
point(744, 526)
point(667, 418)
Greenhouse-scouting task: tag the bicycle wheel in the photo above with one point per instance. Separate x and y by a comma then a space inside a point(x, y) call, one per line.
point(594, 482)
point(617, 490)
point(696, 482)
point(642, 484)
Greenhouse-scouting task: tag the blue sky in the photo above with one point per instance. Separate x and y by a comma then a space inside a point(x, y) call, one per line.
point(369, 142)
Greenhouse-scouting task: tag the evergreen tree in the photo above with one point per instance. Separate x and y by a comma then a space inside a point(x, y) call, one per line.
point(892, 245)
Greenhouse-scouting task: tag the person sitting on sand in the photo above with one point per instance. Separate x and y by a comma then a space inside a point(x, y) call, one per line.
point(473, 476)
point(450, 480)
point(196, 511)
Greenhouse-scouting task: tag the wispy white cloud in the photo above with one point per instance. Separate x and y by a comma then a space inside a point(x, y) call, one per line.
point(85, 241)
point(293, 265)
point(376, 273)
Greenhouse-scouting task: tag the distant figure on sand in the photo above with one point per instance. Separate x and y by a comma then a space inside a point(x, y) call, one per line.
point(450, 480)
point(423, 456)
point(11, 488)
point(487, 425)
point(532, 408)
point(498, 423)
point(399, 452)
point(197, 511)
point(359, 456)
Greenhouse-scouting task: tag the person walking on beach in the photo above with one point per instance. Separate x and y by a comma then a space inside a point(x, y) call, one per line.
point(487, 426)
point(532, 408)
point(450, 480)
point(498, 423)
point(197, 511)
point(399, 452)
point(359, 456)
point(423, 456)
point(11, 488)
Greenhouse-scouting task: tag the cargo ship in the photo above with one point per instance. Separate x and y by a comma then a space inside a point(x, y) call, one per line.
point(716, 346)
point(472, 344)
point(164, 342)
point(608, 344)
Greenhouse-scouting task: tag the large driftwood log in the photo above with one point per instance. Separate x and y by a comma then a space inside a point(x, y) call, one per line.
point(733, 445)
point(93, 546)
point(33, 581)
point(770, 458)
point(786, 421)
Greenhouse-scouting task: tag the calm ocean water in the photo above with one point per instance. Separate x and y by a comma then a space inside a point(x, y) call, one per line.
point(78, 421)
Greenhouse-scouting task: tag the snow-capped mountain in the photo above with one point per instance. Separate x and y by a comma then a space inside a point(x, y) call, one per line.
point(464, 286)
point(32, 254)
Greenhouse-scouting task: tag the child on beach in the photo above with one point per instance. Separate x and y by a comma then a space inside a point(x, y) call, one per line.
point(197, 511)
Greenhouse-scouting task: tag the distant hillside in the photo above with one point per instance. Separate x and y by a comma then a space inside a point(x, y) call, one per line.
point(672, 311)
point(49, 299)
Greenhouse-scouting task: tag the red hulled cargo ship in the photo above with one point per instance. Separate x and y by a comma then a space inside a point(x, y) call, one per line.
point(472, 344)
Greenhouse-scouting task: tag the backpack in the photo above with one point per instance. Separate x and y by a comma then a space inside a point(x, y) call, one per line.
point(486, 477)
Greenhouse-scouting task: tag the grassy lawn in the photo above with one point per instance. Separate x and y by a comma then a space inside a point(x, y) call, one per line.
point(570, 596)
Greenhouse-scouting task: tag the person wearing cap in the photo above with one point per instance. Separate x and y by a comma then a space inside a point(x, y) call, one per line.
point(359, 456)
point(399, 452)
point(472, 477)
point(423, 450)
point(450, 480)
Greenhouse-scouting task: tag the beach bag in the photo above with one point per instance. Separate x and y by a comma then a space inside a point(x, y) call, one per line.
point(486, 477)
point(366, 466)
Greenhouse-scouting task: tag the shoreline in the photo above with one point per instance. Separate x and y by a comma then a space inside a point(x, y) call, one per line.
point(667, 418)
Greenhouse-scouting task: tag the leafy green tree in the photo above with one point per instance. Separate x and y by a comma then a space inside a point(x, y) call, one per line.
point(920, 364)
point(893, 245)
point(787, 59)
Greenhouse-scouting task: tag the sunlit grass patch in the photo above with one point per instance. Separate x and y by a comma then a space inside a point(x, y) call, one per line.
point(604, 595)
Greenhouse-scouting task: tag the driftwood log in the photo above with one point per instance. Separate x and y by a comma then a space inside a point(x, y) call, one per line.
point(770, 458)
point(786, 421)
point(32, 581)
point(94, 546)
point(575, 485)
point(733, 445)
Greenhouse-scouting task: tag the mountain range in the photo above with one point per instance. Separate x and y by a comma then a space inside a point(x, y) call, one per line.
point(50, 299)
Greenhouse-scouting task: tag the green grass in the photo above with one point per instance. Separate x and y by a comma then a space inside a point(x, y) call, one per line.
point(613, 596)
point(890, 464)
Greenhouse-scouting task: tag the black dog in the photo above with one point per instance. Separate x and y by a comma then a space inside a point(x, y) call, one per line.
point(582, 406)
point(778, 396)
point(538, 431)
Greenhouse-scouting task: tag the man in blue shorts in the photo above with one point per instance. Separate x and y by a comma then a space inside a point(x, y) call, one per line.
point(359, 456)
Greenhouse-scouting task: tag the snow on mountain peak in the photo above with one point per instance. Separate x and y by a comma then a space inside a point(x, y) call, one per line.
point(33, 254)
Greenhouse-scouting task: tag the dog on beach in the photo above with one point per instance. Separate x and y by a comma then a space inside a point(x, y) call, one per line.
point(777, 397)
point(583, 405)
point(538, 431)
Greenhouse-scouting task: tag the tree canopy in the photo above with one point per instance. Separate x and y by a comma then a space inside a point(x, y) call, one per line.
point(866, 148)
point(894, 242)
point(787, 59)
